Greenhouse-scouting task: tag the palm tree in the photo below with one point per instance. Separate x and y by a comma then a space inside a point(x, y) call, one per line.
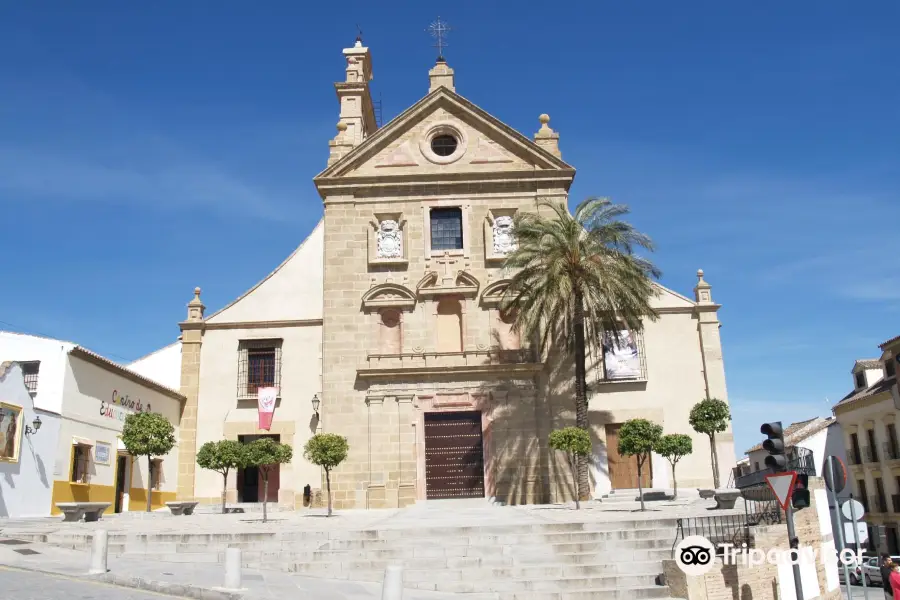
point(575, 277)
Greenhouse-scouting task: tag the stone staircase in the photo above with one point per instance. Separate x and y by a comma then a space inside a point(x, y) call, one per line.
point(608, 560)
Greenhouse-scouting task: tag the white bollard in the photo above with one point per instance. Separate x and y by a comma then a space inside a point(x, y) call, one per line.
point(392, 588)
point(232, 568)
point(99, 552)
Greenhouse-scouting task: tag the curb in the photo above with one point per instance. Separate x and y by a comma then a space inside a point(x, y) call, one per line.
point(164, 587)
point(139, 583)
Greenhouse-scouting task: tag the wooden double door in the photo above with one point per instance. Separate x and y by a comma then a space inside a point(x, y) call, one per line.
point(454, 455)
point(623, 470)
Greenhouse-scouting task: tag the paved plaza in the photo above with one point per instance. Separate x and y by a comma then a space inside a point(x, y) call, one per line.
point(182, 556)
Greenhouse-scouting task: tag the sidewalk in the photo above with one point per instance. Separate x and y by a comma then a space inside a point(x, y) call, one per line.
point(197, 581)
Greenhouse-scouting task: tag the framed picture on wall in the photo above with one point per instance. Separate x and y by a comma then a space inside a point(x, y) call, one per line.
point(101, 453)
point(10, 432)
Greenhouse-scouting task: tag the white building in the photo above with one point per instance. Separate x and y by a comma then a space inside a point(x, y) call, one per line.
point(822, 436)
point(77, 454)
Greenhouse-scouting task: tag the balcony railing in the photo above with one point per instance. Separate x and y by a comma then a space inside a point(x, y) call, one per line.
point(877, 504)
point(891, 451)
point(870, 455)
point(491, 359)
point(800, 460)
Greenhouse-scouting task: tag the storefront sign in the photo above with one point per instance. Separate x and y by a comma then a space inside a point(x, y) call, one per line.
point(121, 406)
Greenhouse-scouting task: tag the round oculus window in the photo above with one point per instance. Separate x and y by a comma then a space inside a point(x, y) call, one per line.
point(443, 145)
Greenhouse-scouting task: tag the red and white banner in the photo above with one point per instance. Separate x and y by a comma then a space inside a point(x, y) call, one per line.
point(267, 406)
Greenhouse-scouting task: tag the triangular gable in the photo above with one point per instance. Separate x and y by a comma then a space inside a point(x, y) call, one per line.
point(669, 299)
point(293, 291)
point(499, 143)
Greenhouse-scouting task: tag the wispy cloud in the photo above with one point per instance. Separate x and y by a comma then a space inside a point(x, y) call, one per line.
point(90, 149)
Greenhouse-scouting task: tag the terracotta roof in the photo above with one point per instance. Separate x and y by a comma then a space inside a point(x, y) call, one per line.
point(882, 385)
point(101, 361)
point(797, 432)
point(867, 363)
point(890, 341)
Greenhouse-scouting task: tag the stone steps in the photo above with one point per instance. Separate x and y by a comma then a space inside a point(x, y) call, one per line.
point(537, 561)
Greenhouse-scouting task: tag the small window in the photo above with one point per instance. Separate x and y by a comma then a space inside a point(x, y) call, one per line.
point(81, 458)
point(756, 466)
point(446, 229)
point(444, 145)
point(860, 380)
point(30, 372)
point(889, 369)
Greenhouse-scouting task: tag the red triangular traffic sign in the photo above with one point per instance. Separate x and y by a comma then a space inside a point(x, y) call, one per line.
point(782, 485)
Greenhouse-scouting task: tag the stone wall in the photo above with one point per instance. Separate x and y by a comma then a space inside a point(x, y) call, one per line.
point(767, 581)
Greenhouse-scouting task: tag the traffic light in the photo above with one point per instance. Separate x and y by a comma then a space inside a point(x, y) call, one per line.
point(776, 460)
point(800, 495)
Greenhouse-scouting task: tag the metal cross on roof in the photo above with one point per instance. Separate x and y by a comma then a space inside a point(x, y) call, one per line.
point(359, 34)
point(439, 31)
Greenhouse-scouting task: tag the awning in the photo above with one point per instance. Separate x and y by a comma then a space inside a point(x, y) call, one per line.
point(78, 441)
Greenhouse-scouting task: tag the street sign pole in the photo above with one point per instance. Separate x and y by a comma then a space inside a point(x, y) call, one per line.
point(856, 541)
point(829, 469)
point(794, 543)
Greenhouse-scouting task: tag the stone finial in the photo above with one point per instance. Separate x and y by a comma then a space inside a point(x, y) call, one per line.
point(195, 307)
point(341, 144)
point(546, 138)
point(441, 75)
point(702, 291)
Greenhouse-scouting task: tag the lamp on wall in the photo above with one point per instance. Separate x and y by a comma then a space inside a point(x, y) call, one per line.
point(37, 425)
point(315, 404)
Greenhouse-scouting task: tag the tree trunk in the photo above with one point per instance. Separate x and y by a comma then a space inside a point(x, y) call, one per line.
point(674, 483)
point(573, 463)
point(715, 460)
point(581, 401)
point(224, 489)
point(640, 484)
point(265, 478)
point(328, 489)
point(149, 481)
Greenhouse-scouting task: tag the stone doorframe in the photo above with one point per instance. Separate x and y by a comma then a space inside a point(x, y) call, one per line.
point(454, 402)
point(285, 432)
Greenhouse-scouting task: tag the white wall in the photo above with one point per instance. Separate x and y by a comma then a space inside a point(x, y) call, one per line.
point(162, 366)
point(218, 405)
point(26, 486)
point(675, 383)
point(51, 353)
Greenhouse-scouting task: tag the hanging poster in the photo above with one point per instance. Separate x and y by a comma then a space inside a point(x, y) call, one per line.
point(267, 397)
point(620, 356)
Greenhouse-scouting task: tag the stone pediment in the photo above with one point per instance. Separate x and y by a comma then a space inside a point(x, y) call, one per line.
point(493, 293)
point(389, 295)
point(460, 283)
point(404, 147)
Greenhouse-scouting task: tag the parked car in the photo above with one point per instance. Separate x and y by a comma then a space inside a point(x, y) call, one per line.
point(871, 569)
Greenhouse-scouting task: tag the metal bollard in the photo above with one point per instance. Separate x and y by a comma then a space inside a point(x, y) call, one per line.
point(99, 552)
point(392, 588)
point(232, 568)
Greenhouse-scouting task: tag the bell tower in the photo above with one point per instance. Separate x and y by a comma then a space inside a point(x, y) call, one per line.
point(355, 97)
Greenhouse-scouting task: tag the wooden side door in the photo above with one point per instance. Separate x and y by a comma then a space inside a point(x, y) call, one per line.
point(623, 470)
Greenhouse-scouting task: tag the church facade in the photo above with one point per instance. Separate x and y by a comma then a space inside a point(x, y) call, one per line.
point(388, 315)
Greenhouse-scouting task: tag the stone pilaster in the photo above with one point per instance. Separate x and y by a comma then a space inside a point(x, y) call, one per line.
point(191, 343)
point(357, 110)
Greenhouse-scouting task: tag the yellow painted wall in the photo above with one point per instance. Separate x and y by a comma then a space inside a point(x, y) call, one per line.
point(137, 499)
point(65, 491)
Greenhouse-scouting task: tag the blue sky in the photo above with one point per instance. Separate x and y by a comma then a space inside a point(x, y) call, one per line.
point(146, 151)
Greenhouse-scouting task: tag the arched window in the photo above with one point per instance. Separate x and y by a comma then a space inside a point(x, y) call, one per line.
point(449, 326)
point(389, 330)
